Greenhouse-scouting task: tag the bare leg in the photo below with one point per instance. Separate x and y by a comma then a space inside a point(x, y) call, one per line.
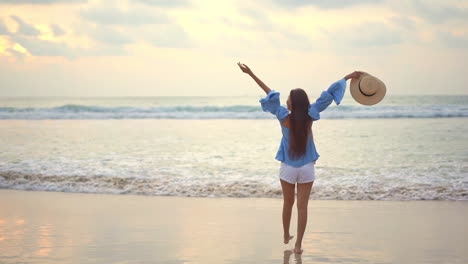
point(288, 202)
point(303, 194)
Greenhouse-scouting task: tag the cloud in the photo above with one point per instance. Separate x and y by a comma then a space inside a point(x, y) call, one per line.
point(111, 28)
point(276, 35)
point(16, 54)
point(165, 3)
point(114, 16)
point(58, 31)
point(365, 36)
point(283, 40)
point(262, 21)
point(25, 28)
point(438, 12)
point(3, 29)
point(105, 51)
point(325, 4)
point(39, 2)
point(108, 35)
point(451, 40)
point(170, 36)
point(403, 22)
point(38, 47)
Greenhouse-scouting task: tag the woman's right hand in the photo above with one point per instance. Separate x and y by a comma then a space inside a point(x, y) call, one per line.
point(244, 68)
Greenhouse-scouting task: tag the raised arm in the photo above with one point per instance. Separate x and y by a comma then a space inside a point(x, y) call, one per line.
point(334, 93)
point(248, 71)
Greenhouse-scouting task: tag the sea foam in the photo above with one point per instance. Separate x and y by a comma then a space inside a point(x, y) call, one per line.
point(71, 111)
point(159, 187)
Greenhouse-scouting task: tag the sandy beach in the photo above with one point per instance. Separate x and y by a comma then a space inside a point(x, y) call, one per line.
point(54, 227)
point(157, 131)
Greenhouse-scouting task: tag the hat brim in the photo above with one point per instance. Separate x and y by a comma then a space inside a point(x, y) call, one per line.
point(364, 99)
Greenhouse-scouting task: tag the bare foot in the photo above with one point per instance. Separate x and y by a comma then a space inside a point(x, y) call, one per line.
point(287, 238)
point(298, 250)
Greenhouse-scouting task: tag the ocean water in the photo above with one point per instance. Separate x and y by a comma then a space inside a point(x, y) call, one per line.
point(404, 148)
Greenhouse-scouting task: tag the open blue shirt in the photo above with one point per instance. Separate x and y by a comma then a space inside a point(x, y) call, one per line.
point(271, 103)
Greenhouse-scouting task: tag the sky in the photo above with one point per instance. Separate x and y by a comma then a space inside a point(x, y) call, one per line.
point(191, 47)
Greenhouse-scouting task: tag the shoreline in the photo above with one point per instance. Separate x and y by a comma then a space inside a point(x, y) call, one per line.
point(226, 197)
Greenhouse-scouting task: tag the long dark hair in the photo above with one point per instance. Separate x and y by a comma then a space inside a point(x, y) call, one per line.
point(300, 123)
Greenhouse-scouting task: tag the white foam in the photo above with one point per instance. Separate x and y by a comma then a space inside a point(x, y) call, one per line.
point(159, 187)
point(225, 112)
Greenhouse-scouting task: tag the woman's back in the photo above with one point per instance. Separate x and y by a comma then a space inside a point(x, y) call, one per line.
point(305, 115)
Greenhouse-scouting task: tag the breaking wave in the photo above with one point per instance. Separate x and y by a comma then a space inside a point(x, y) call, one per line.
point(71, 111)
point(161, 187)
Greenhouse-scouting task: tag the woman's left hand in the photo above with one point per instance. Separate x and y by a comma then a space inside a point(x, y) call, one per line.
point(354, 74)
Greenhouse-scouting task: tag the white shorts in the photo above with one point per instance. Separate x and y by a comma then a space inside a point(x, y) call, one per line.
point(302, 174)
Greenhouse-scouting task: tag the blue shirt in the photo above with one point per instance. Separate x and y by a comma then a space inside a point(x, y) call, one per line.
point(271, 103)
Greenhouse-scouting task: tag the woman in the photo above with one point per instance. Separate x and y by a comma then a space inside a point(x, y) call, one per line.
point(297, 151)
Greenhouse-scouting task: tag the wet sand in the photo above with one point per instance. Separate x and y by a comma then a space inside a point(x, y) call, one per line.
point(53, 227)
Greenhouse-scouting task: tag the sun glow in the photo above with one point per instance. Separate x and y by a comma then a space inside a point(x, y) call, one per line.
point(4, 45)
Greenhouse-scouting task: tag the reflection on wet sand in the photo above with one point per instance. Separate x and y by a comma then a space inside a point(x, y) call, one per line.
point(2, 232)
point(11, 232)
point(44, 243)
point(287, 257)
point(76, 228)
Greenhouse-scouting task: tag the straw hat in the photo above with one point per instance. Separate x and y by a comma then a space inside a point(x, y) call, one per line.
point(367, 89)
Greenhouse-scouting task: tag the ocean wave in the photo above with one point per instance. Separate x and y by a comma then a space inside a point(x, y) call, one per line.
point(160, 187)
point(71, 111)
